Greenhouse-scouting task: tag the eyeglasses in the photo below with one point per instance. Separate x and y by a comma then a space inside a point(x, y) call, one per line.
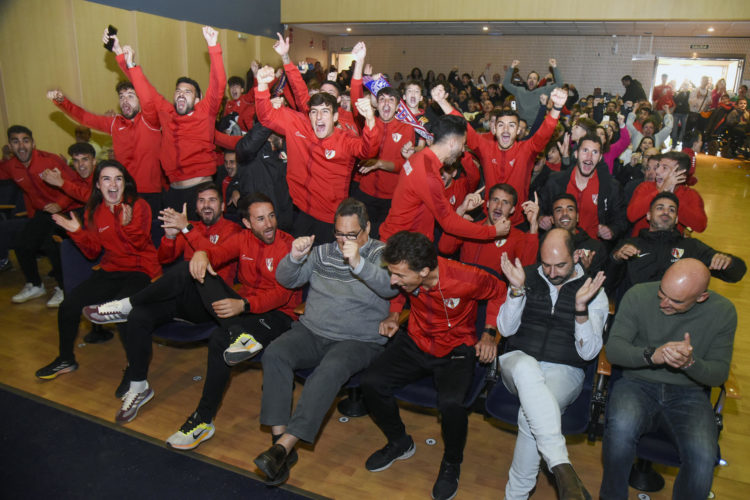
point(346, 236)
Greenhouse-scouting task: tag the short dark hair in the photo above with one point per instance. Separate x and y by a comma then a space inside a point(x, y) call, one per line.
point(415, 249)
point(565, 196)
point(335, 85)
point(81, 148)
point(499, 113)
point(626, 78)
point(665, 194)
point(691, 136)
point(124, 85)
point(19, 129)
point(236, 80)
point(590, 137)
point(414, 82)
point(506, 188)
point(185, 79)
point(390, 91)
point(243, 206)
point(682, 159)
point(448, 125)
point(208, 186)
point(350, 206)
point(322, 98)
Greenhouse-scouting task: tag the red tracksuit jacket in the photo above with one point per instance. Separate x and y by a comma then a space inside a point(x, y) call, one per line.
point(444, 317)
point(36, 192)
point(187, 141)
point(690, 213)
point(420, 199)
point(257, 270)
point(318, 170)
point(245, 108)
point(201, 237)
point(126, 248)
point(487, 253)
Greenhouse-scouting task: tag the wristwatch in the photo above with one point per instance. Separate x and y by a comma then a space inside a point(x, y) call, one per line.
point(187, 229)
point(490, 331)
point(648, 354)
point(247, 306)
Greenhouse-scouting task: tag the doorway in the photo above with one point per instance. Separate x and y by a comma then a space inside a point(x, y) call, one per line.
point(686, 69)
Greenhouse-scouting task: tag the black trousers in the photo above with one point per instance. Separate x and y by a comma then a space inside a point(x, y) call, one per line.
point(154, 201)
point(402, 363)
point(377, 210)
point(175, 198)
point(177, 295)
point(102, 286)
point(34, 237)
point(307, 225)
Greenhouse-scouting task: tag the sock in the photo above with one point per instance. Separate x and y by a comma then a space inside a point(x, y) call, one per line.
point(138, 386)
point(126, 305)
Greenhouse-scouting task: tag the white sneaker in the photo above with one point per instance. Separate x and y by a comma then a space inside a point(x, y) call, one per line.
point(56, 298)
point(28, 292)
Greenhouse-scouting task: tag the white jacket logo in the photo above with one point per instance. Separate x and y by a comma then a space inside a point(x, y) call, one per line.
point(595, 199)
point(214, 238)
point(269, 264)
point(499, 243)
point(453, 200)
point(330, 153)
point(451, 303)
point(396, 137)
point(407, 168)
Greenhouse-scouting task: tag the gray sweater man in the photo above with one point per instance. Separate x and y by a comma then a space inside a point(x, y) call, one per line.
point(338, 334)
point(527, 98)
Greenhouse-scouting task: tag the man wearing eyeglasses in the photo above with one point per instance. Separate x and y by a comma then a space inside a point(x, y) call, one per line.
point(337, 334)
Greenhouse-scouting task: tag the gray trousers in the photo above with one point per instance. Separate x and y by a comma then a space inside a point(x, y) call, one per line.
point(335, 361)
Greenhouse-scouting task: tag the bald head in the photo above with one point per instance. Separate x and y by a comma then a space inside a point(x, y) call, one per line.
point(557, 255)
point(684, 284)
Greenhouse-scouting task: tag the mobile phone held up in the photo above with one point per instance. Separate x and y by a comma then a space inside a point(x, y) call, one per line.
point(111, 30)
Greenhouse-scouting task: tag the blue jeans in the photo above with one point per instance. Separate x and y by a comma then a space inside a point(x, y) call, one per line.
point(685, 414)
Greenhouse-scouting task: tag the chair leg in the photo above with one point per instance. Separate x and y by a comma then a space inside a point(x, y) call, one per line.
point(353, 405)
point(644, 478)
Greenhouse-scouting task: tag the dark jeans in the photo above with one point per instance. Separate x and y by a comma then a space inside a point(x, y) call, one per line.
point(402, 363)
point(36, 236)
point(377, 210)
point(636, 407)
point(102, 286)
point(307, 225)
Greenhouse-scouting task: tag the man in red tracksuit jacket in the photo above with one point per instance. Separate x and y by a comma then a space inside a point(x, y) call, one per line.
point(516, 243)
point(136, 141)
point(83, 157)
point(187, 145)
point(506, 160)
point(441, 341)
point(319, 156)
point(42, 200)
point(242, 104)
point(184, 238)
point(419, 199)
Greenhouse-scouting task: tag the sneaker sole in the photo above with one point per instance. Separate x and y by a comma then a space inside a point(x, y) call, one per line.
point(203, 437)
point(26, 299)
point(234, 357)
point(269, 480)
point(54, 305)
point(58, 373)
point(407, 454)
point(135, 413)
point(104, 322)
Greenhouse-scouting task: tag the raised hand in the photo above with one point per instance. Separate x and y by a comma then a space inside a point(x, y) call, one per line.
point(55, 95)
point(254, 66)
point(351, 253)
point(513, 271)
point(515, 63)
point(116, 46)
point(564, 146)
point(276, 102)
point(545, 222)
point(53, 177)
point(173, 221)
point(282, 47)
point(531, 208)
point(553, 62)
point(364, 106)
point(70, 225)
point(625, 252)
point(472, 201)
point(585, 257)
point(589, 289)
point(302, 65)
point(558, 97)
point(302, 246)
point(129, 56)
point(127, 214)
point(359, 52)
point(264, 76)
point(605, 232)
point(211, 35)
point(620, 120)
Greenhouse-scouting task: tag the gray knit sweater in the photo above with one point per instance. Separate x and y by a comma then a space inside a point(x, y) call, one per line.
point(341, 305)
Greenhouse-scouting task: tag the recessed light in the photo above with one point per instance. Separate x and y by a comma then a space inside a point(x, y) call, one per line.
point(710, 30)
point(485, 28)
point(348, 29)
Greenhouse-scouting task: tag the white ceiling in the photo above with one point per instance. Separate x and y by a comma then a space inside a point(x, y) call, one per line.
point(573, 28)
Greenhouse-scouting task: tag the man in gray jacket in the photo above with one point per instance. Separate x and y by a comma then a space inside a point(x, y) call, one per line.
point(527, 98)
point(337, 334)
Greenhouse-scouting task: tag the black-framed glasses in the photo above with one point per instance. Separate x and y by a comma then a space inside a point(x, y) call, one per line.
point(346, 236)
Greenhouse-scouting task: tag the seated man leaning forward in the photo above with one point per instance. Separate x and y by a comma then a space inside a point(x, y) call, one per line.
point(673, 340)
point(441, 341)
point(554, 318)
point(337, 335)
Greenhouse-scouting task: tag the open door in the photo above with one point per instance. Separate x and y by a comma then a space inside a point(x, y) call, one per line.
point(681, 69)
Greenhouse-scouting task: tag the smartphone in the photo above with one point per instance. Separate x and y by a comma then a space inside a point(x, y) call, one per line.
point(111, 30)
point(513, 105)
point(605, 119)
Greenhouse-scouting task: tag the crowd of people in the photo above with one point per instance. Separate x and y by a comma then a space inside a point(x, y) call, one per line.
point(369, 195)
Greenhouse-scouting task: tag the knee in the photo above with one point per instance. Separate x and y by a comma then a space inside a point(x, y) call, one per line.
point(524, 370)
point(451, 404)
point(699, 454)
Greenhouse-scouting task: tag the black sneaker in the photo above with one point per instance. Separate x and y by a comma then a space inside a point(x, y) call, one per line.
point(56, 368)
point(272, 463)
point(124, 383)
point(398, 450)
point(97, 335)
point(446, 485)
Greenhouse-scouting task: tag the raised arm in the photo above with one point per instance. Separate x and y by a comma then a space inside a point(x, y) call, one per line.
point(101, 123)
point(294, 78)
point(217, 80)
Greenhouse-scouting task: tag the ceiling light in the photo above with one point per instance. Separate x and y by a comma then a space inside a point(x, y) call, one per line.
point(348, 29)
point(485, 28)
point(710, 30)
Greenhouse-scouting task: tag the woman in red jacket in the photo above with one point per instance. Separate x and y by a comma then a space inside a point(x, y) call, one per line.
point(117, 225)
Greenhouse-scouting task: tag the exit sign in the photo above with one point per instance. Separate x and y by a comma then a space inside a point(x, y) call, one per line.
point(696, 46)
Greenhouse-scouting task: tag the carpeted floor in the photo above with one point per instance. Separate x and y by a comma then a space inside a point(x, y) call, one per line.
point(48, 451)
